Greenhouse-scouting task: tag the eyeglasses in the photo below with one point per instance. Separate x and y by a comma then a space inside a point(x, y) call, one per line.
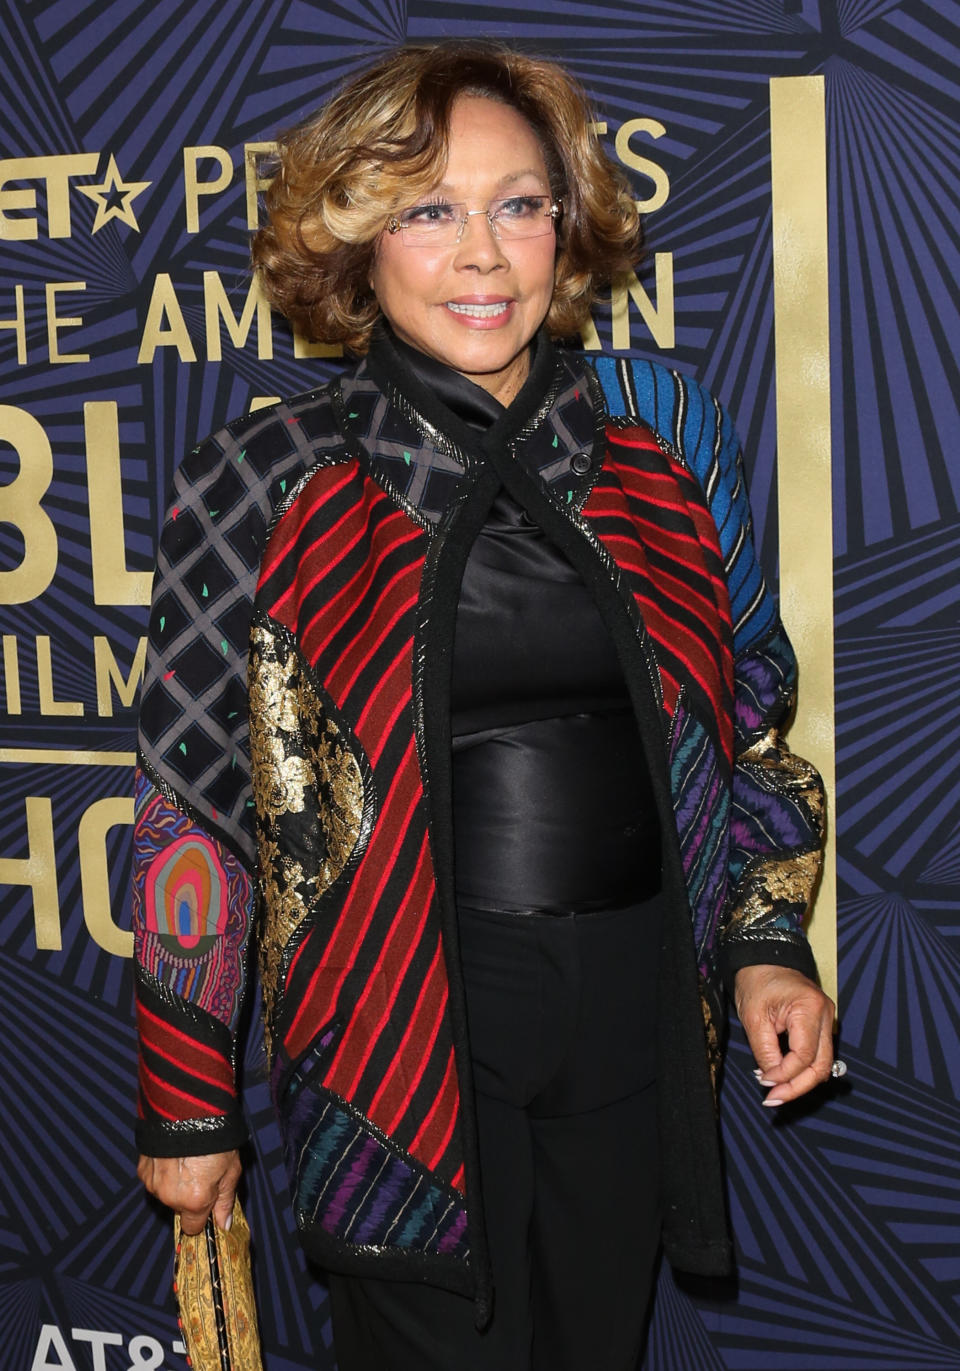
point(440, 224)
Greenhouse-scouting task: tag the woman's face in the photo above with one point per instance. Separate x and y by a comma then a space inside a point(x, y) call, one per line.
point(426, 292)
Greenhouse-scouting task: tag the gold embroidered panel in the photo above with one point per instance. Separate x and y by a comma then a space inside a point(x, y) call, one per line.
point(789, 773)
point(314, 809)
point(769, 886)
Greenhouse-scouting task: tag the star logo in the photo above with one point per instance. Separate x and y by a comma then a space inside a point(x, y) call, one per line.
point(113, 198)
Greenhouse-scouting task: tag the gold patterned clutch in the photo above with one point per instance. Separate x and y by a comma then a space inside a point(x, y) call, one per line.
point(214, 1288)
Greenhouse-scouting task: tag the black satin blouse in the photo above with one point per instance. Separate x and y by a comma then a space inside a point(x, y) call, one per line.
point(553, 810)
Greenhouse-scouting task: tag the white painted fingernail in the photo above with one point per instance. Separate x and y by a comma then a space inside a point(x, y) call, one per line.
point(764, 1082)
point(770, 1104)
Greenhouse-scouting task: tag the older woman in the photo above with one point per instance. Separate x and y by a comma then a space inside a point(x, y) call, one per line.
point(463, 673)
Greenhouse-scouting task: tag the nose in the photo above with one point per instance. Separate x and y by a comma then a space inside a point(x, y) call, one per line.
point(479, 247)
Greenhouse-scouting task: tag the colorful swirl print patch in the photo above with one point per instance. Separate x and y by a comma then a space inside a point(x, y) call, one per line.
point(192, 907)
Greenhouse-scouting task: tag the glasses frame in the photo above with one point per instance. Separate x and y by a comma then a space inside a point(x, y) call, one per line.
point(552, 213)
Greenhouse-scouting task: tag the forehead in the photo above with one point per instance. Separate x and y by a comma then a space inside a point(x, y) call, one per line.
point(491, 141)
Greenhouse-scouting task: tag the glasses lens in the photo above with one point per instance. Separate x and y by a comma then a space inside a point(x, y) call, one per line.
point(432, 223)
point(515, 216)
point(521, 216)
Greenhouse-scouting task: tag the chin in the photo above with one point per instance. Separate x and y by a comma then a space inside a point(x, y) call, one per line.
point(484, 356)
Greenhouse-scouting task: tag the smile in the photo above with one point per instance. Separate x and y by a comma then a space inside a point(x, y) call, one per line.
point(480, 311)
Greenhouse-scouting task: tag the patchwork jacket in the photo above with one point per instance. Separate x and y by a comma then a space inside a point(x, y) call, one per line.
point(295, 777)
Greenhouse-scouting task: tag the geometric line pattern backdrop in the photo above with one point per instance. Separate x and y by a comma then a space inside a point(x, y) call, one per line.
point(126, 335)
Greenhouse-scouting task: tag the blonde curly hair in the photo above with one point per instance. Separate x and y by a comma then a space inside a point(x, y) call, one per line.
point(381, 143)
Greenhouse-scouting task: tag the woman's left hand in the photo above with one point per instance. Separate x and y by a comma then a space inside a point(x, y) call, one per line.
point(772, 1000)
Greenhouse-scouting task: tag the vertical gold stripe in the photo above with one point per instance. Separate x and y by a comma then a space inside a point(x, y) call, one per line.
point(11, 673)
point(802, 334)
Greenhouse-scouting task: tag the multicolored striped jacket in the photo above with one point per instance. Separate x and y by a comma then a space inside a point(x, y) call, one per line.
point(295, 777)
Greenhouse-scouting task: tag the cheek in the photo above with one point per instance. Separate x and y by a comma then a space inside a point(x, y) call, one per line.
point(540, 265)
point(540, 286)
point(406, 276)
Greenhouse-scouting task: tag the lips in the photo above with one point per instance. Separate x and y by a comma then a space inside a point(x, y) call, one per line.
point(483, 312)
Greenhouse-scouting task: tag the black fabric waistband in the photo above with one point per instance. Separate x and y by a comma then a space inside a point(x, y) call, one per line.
point(555, 816)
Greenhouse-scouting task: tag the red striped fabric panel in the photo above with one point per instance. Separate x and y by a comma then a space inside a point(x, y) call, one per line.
point(651, 516)
point(318, 998)
point(181, 1077)
point(371, 1014)
point(323, 487)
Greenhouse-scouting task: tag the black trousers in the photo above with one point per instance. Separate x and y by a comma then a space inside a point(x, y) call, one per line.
point(562, 1030)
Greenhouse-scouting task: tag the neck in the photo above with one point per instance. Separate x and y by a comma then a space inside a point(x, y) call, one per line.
point(448, 397)
point(505, 385)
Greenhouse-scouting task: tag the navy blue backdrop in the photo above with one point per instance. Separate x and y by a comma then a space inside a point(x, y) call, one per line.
point(126, 333)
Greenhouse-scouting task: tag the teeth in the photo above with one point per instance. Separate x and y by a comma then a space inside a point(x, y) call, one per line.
point(480, 311)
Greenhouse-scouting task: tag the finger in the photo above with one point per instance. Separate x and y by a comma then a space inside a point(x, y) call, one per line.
point(826, 1051)
point(193, 1220)
point(223, 1209)
point(803, 1037)
point(805, 1022)
point(794, 1065)
point(765, 1046)
point(792, 1089)
point(193, 1193)
point(800, 1075)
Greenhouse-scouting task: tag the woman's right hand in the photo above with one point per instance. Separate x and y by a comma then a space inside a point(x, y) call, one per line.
point(194, 1186)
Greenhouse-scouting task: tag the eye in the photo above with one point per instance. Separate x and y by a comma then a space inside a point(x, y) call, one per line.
point(436, 212)
point(519, 207)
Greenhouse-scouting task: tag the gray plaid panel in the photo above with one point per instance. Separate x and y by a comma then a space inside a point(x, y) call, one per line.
point(417, 462)
point(424, 467)
point(568, 428)
point(571, 428)
point(193, 718)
